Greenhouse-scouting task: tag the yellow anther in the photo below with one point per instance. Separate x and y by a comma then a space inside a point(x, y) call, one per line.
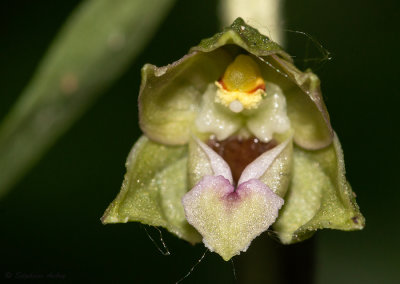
point(242, 75)
point(241, 86)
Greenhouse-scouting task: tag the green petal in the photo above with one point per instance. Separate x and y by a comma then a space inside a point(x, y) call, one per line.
point(214, 118)
point(169, 99)
point(154, 185)
point(170, 96)
point(199, 164)
point(305, 106)
point(319, 196)
point(270, 117)
point(278, 175)
point(204, 161)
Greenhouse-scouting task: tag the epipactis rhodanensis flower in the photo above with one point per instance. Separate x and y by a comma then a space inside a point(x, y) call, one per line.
point(236, 139)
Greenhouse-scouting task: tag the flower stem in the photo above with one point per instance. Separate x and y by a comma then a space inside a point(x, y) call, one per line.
point(268, 261)
point(265, 15)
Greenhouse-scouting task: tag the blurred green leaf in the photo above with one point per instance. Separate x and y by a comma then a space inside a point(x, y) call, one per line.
point(95, 45)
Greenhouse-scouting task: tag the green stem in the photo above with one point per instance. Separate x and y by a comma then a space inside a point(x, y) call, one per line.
point(265, 15)
point(268, 261)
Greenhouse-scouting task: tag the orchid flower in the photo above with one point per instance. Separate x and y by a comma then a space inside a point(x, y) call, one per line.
point(236, 140)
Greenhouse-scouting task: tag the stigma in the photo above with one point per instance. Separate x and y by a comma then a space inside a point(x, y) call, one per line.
point(241, 86)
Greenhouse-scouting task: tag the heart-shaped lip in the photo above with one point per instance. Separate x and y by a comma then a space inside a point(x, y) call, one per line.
point(229, 218)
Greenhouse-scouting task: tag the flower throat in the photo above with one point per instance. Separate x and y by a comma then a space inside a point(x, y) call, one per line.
point(239, 152)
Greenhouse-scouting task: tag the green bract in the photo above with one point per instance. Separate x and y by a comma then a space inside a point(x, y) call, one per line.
point(175, 180)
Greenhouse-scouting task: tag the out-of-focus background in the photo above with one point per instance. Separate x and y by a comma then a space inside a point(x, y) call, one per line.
point(50, 225)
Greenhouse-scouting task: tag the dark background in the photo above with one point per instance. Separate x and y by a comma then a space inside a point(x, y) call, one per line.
point(50, 223)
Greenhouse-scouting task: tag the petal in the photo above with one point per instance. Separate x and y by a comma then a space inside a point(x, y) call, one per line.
point(229, 220)
point(279, 174)
point(170, 96)
point(151, 193)
point(205, 161)
point(261, 165)
point(305, 106)
point(215, 118)
point(270, 117)
point(319, 196)
point(169, 99)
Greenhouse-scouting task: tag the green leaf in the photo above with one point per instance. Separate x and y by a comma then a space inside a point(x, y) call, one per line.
point(154, 185)
point(319, 196)
point(95, 45)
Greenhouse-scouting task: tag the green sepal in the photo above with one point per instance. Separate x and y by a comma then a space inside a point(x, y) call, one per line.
point(154, 184)
point(319, 196)
point(305, 106)
point(169, 98)
point(245, 36)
